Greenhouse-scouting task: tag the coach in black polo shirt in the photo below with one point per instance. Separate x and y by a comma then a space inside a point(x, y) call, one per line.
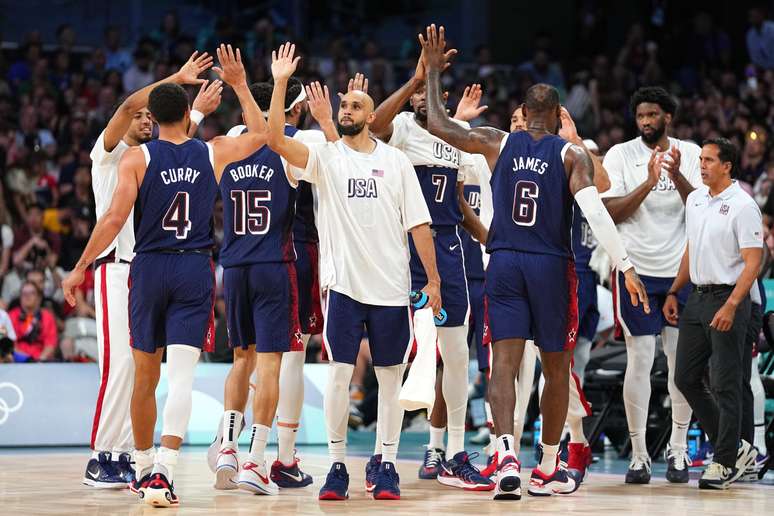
point(722, 258)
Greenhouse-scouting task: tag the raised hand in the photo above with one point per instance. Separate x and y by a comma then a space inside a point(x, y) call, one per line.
point(434, 49)
point(319, 101)
point(468, 106)
point(283, 64)
point(568, 130)
point(654, 167)
point(208, 98)
point(231, 69)
point(357, 83)
point(196, 64)
point(671, 163)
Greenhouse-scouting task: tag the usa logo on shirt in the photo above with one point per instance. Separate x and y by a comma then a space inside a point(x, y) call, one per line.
point(724, 209)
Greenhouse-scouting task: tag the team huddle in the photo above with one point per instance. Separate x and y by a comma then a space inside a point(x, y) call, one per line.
point(329, 232)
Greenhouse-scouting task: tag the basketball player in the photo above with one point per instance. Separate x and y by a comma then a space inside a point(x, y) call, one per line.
point(368, 198)
point(531, 281)
point(264, 248)
point(111, 435)
point(171, 280)
point(441, 170)
point(648, 207)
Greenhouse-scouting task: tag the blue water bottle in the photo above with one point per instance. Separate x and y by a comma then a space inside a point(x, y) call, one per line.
point(536, 433)
point(419, 300)
point(694, 441)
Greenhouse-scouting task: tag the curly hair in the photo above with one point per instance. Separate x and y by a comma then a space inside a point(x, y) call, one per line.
point(654, 95)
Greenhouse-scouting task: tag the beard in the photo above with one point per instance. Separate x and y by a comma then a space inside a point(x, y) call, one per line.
point(655, 135)
point(352, 129)
point(421, 115)
point(302, 118)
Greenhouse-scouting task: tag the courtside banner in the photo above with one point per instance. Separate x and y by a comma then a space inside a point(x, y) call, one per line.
point(53, 404)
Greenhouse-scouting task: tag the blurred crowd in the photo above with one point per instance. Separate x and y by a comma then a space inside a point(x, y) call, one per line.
point(56, 99)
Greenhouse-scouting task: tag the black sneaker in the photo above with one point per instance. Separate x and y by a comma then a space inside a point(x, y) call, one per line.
point(677, 464)
point(716, 476)
point(639, 470)
point(124, 467)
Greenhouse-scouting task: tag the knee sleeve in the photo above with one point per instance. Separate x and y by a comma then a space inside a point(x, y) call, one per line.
point(640, 351)
point(181, 363)
point(390, 415)
point(453, 344)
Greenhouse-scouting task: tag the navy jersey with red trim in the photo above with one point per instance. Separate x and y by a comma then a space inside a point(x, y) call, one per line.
point(471, 249)
point(176, 198)
point(583, 241)
point(304, 228)
point(258, 210)
point(531, 197)
point(439, 188)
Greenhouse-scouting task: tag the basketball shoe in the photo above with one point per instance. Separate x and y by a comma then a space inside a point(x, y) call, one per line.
point(336, 485)
point(254, 478)
point(102, 473)
point(289, 476)
point(372, 471)
point(460, 472)
point(387, 483)
point(508, 480)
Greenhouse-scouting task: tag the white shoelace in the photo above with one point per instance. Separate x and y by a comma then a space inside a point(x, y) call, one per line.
point(680, 456)
point(639, 461)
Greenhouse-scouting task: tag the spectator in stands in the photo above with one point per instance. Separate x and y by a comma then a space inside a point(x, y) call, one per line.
point(34, 246)
point(140, 73)
point(541, 69)
point(6, 236)
point(30, 135)
point(116, 57)
point(753, 163)
point(35, 327)
point(760, 39)
point(7, 338)
point(21, 70)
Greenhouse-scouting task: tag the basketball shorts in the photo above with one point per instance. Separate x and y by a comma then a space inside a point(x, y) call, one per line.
point(309, 307)
point(171, 301)
point(533, 296)
point(588, 313)
point(476, 323)
point(632, 320)
point(451, 267)
point(389, 328)
point(262, 307)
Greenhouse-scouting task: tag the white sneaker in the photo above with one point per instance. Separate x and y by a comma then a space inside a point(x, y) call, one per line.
point(214, 449)
point(226, 469)
point(508, 480)
point(745, 458)
point(254, 478)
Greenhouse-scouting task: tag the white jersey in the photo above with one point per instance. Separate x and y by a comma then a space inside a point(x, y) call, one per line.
point(367, 202)
point(481, 176)
point(654, 236)
point(104, 179)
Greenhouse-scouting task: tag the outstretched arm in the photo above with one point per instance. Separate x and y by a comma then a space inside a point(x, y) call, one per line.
point(120, 121)
point(320, 107)
point(381, 127)
point(569, 132)
point(283, 64)
point(206, 102)
point(481, 140)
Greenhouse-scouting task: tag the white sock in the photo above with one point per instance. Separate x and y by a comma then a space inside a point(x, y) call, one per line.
point(390, 413)
point(232, 426)
point(505, 447)
point(453, 344)
point(143, 461)
point(759, 407)
point(436, 437)
point(640, 352)
point(378, 437)
point(523, 385)
point(258, 440)
point(548, 463)
point(165, 463)
point(581, 357)
point(681, 409)
point(181, 363)
point(336, 408)
point(760, 438)
point(291, 402)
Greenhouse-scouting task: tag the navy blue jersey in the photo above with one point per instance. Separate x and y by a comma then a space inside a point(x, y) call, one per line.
point(304, 228)
point(583, 241)
point(439, 188)
point(176, 198)
point(471, 249)
point(258, 208)
point(531, 197)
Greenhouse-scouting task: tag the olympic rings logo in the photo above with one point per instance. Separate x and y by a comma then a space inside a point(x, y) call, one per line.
point(5, 409)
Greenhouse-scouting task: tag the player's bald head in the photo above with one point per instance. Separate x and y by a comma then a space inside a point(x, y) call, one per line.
point(356, 111)
point(362, 97)
point(542, 98)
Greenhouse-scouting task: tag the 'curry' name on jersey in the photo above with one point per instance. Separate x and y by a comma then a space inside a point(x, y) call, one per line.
point(256, 170)
point(178, 175)
point(530, 163)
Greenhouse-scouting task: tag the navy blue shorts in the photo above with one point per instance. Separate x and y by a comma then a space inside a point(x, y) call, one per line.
point(389, 328)
point(171, 301)
point(451, 267)
point(261, 307)
point(533, 296)
point(588, 313)
point(309, 307)
point(631, 320)
point(476, 322)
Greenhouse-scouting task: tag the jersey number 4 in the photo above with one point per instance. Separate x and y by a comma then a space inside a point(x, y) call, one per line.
point(249, 215)
point(525, 203)
point(176, 219)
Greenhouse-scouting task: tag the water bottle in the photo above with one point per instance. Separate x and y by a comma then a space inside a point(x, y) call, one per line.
point(419, 300)
point(694, 441)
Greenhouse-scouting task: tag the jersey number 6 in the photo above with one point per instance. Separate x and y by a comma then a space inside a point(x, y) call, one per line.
point(524, 203)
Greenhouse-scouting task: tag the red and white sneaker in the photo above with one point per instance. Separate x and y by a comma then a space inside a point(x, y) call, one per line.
point(508, 480)
point(491, 466)
point(254, 478)
point(559, 482)
point(226, 469)
point(159, 492)
point(578, 459)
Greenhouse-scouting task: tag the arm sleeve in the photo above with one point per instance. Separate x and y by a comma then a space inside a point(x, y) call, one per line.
point(314, 165)
point(413, 209)
point(614, 166)
point(748, 227)
point(603, 226)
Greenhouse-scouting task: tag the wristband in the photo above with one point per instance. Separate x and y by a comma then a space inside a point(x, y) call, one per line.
point(197, 116)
